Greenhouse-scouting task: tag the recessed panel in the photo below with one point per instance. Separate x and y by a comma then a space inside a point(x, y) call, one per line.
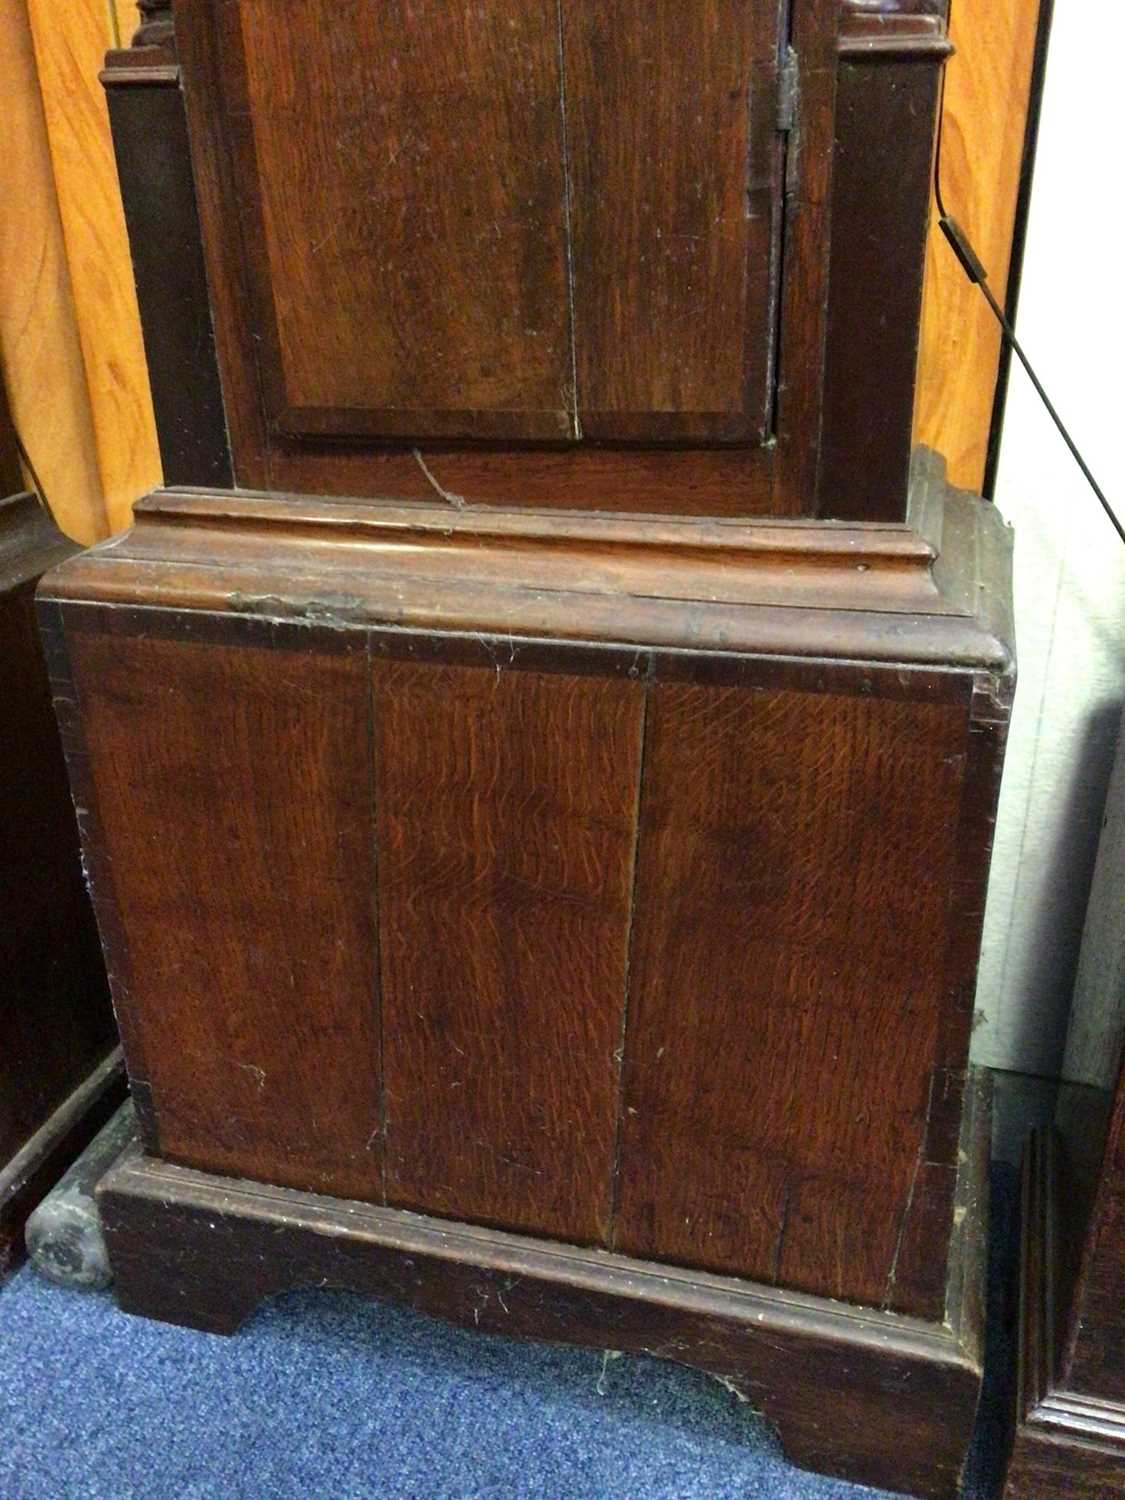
point(537, 224)
point(409, 176)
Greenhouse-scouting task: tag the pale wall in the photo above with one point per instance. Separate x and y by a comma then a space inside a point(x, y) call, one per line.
point(1070, 566)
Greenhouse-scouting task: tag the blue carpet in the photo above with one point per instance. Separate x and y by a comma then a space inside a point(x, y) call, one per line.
point(324, 1394)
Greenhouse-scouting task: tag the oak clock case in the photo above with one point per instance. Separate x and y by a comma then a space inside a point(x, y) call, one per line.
point(541, 748)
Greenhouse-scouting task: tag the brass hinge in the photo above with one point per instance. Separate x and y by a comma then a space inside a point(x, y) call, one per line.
point(787, 84)
point(788, 98)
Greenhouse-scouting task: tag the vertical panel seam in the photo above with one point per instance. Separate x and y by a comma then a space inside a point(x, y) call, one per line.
point(615, 1177)
point(376, 945)
point(576, 421)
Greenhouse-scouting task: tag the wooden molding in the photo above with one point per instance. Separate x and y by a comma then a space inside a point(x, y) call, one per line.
point(893, 30)
point(156, 26)
point(880, 591)
point(1065, 1443)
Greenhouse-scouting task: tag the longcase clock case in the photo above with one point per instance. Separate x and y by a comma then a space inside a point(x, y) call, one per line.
point(539, 753)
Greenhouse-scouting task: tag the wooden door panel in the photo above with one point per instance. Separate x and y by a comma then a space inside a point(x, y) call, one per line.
point(531, 223)
point(408, 166)
point(670, 146)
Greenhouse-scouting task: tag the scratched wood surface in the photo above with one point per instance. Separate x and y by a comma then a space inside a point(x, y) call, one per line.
point(232, 787)
point(410, 180)
point(506, 826)
point(397, 948)
point(460, 326)
point(542, 221)
point(794, 876)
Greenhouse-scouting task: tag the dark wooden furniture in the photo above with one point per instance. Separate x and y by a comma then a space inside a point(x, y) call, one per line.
point(539, 815)
point(60, 1069)
point(1070, 1420)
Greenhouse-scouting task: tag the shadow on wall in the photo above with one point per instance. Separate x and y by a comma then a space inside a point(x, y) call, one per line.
point(1044, 970)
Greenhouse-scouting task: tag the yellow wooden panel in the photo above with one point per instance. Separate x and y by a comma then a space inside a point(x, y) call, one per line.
point(40, 350)
point(125, 20)
point(70, 45)
point(987, 90)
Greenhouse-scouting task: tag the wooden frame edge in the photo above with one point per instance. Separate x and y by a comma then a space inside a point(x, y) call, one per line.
point(1062, 1444)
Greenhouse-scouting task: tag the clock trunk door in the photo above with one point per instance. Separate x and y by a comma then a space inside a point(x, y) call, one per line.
point(523, 226)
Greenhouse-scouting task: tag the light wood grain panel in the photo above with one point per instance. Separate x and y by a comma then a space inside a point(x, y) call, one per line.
point(40, 350)
point(70, 44)
point(985, 115)
point(506, 806)
point(239, 864)
point(794, 872)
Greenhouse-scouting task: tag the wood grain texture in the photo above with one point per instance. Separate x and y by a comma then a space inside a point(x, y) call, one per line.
point(276, 446)
point(813, 844)
point(40, 350)
point(673, 195)
point(848, 594)
point(794, 880)
point(984, 122)
point(506, 826)
point(70, 43)
point(886, 108)
point(232, 798)
point(410, 183)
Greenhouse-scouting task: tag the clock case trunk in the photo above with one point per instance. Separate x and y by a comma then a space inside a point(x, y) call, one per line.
point(543, 881)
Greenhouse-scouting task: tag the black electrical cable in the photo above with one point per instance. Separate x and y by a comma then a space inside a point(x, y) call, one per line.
point(30, 467)
point(971, 265)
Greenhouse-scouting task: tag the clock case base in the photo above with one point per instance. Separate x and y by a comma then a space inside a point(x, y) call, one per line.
point(856, 1392)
